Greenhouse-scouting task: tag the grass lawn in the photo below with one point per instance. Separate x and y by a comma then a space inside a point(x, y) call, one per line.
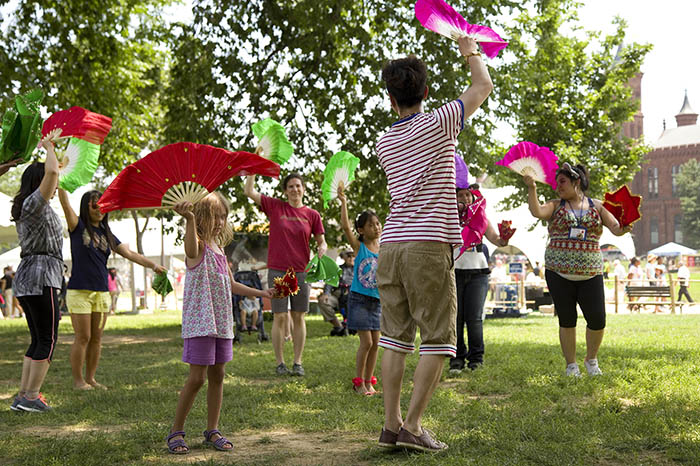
point(517, 410)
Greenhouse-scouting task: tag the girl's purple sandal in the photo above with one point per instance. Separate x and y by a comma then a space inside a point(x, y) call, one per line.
point(220, 443)
point(177, 443)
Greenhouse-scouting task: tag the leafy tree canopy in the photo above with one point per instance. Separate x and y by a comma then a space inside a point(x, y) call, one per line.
point(689, 193)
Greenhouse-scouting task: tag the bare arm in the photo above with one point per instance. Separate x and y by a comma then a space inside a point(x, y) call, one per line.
point(610, 221)
point(494, 237)
point(71, 217)
point(143, 261)
point(482, 85)
point(192, 246)
point(47, 188)
point(541, 211)
point(7, 165)
point(250, 191)
point(322, 246)
point(345, 221)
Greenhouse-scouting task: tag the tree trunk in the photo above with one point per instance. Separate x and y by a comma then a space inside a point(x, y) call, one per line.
point(139, 249)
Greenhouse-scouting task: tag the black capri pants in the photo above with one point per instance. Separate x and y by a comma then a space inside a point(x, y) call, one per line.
point(589, 294)
point(42, 315)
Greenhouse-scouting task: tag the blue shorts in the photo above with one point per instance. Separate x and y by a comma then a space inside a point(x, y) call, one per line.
point(364, 312)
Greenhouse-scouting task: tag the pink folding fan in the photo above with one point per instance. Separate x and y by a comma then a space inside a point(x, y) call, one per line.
point(440, 17)
point(527, 158)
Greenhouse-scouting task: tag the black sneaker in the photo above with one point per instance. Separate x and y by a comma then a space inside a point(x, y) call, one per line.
point(456, 366)
point(14, 407)
point(282, 369)
point(297, 370)
point(34, 406)
point(475, 365)
point(336, 331)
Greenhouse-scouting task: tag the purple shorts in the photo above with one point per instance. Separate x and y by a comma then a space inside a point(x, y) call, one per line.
point(207, 351)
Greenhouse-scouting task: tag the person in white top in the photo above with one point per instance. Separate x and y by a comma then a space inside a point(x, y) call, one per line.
point(619, 269)
point(650, 269)
point(414, 272)
point(683, 277)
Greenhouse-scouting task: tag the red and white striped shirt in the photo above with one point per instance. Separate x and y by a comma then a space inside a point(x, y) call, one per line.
point(417, 155)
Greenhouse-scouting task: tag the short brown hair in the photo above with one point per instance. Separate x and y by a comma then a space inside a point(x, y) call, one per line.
point(405, 79)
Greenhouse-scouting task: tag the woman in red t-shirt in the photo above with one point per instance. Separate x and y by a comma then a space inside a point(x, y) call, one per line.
point(292, 225)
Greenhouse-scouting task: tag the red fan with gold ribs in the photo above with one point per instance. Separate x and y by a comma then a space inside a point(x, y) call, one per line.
point(623, 205)
point(505, 231)
point(286, 285)
point(179, 172)
point(79, 123)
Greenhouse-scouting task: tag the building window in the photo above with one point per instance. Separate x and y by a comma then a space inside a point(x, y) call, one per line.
point(653, 179)
point(678, 229)
point(675, 171)
point(654, 231)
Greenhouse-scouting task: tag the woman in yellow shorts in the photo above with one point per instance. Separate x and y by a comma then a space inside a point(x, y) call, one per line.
point(88, 299)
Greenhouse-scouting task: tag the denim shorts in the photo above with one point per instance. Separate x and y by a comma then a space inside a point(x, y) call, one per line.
point(364, 312)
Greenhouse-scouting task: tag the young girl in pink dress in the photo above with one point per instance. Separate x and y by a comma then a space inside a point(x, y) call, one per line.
point(207, 319)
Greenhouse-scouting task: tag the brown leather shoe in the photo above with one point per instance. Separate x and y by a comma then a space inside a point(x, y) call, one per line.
point(388, 439)
point(425, 442)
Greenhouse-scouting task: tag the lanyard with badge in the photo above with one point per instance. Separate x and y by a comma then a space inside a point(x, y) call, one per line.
point(579, 232)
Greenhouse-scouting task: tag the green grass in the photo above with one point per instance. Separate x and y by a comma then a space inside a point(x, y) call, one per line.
point(517, 410)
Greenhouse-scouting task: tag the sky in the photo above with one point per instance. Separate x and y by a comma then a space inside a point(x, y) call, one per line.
point(672, 66)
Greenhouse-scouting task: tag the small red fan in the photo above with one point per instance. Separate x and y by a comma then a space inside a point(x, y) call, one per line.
point(505, 231)
point(179, 172)
point(623, 205)
point(286, 285)
point(79, 123)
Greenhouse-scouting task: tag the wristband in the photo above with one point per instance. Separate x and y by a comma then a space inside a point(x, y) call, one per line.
point(475, 53)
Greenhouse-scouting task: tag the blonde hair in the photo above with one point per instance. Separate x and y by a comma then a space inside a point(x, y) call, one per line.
point(205, 212)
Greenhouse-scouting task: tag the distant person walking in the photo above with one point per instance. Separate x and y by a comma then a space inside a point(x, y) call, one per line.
point(683, 280)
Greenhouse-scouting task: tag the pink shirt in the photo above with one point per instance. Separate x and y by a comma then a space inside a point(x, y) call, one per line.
point(291, 229)
point(417, 155)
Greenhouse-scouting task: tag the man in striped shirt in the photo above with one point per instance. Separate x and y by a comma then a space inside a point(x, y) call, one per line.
point(414, 276)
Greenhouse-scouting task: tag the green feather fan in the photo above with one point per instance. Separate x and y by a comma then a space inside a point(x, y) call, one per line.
point(79, 163)
point(21, 127)
point(340, 170)
point(272, 141)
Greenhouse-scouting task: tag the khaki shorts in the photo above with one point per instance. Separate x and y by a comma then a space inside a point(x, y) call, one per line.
point(87, 302)
point(417, 289)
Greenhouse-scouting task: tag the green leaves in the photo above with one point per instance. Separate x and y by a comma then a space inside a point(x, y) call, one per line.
point(689, 193)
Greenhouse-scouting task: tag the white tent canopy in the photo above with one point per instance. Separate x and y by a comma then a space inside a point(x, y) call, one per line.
point(671, 249)
point(533, 242)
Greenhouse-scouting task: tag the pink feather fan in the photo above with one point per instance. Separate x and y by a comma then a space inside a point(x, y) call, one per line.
point(441, 18)
point(527, 158)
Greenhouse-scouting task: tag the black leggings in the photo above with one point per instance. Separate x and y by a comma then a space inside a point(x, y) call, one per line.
point(589, 294)
point(42, 315)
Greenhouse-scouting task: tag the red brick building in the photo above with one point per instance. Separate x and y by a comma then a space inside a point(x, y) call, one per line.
point(655, 181)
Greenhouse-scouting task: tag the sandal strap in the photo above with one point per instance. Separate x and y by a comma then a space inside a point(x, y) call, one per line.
point(221, 441)
point(175, 434)
point(208, 434)
point(372, 380)
point(357, 381)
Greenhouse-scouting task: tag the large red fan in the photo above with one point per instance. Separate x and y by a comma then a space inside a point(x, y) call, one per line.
point(623, 205)
point(79, 123)
point(183, 171)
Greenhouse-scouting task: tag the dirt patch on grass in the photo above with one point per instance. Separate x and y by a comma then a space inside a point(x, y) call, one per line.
point(109, 340)
point(69, 430)
point(281, 447)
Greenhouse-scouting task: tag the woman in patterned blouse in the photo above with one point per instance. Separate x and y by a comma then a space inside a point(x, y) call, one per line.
point(38, 278)
point(573, 261)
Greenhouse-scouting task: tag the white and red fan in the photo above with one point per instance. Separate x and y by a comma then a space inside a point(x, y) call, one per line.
point(86, 131)
point(179, 172)
point(527, 158)
point(441, 18)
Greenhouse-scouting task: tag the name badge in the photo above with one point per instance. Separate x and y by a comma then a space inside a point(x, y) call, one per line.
point(578, 233)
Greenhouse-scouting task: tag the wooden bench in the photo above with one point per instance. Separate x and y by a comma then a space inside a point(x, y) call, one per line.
point(655, 293)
